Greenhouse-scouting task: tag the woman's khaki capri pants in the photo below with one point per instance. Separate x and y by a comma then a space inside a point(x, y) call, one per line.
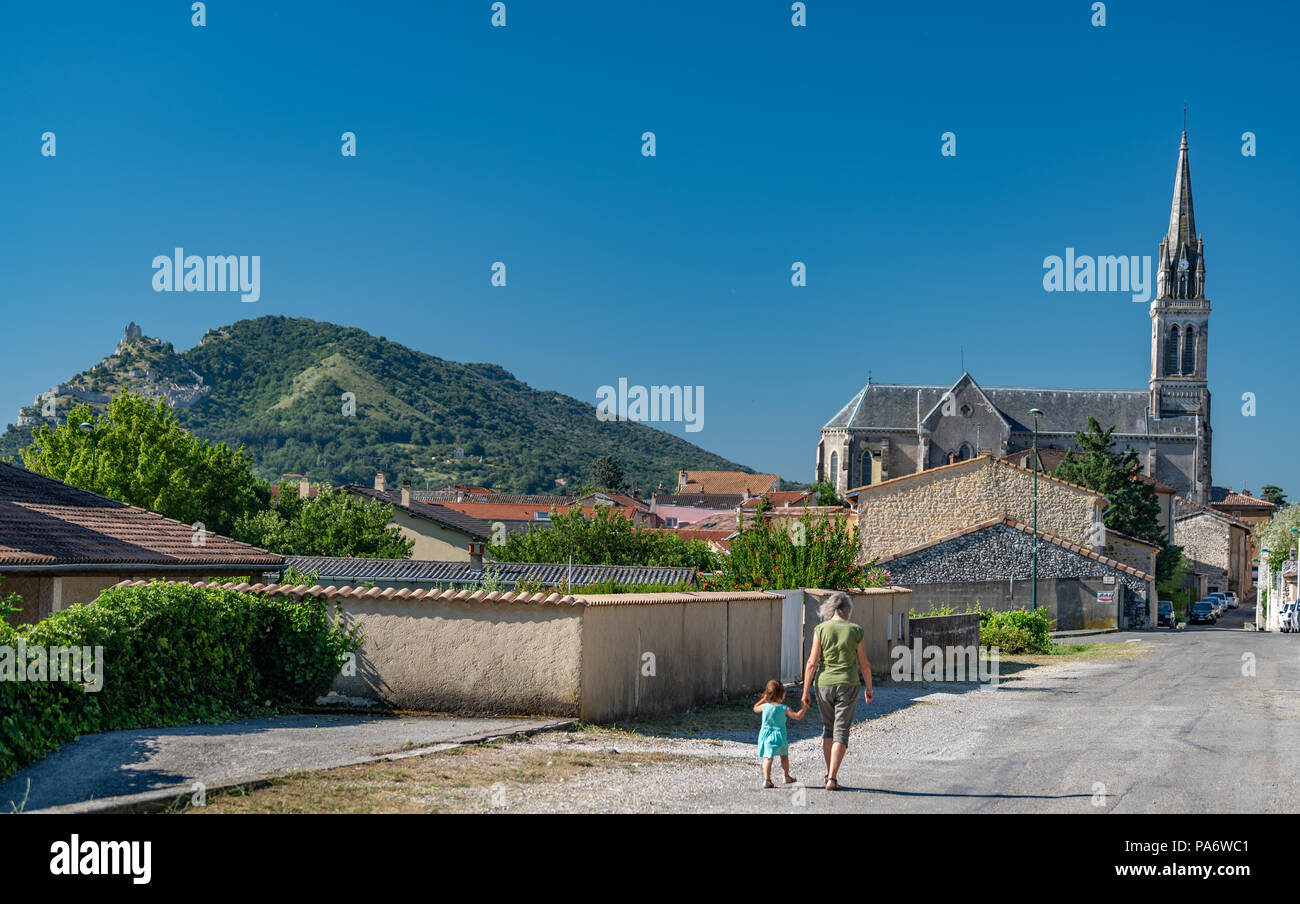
point(837, 704)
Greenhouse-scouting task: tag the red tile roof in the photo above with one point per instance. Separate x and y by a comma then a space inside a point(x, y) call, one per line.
point(45, 522)
point(726, 482)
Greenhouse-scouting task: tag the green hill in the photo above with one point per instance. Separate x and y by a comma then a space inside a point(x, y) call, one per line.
point(276, 385)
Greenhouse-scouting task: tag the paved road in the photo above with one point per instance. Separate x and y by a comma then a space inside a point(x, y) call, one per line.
point(130, 762)
point(1177, 729)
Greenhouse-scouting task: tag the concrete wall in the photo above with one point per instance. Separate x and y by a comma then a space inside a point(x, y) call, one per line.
point(1206, 540)
point(432, 542)
point(1071, 602)
point(700, 645)
point(924, 507)
point(464, 656)
point(944, 631)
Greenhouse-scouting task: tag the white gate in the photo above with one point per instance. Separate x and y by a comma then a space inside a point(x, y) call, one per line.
point(791, 636)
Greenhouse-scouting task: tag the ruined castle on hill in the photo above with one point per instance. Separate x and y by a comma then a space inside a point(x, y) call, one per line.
point(98, 385)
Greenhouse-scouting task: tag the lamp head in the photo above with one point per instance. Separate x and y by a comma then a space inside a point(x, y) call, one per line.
point(85, 427)
point(1035, 412)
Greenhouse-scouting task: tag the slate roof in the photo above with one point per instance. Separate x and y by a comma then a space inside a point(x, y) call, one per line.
point(884, 406)
point(477, 528)
point(1005, 521)
point(352, 570)
point(45, 522)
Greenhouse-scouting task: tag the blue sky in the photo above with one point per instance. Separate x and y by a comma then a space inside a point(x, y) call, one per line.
point(775, 144)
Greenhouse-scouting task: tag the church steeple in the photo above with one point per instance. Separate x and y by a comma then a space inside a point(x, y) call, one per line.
point(1181, 270)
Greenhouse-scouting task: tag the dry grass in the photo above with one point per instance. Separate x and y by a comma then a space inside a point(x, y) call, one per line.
point(472, 779)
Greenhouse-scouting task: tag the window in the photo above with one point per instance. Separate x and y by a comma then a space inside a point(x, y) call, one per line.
point(834, 476)
point(965, 452)
point(670, 522)
point(541, 516)
point(866, 468)
point(1189, 352)
point(1171, 351)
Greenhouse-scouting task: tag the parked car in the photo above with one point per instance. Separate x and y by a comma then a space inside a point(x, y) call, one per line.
point(1286, 619)
point(1202, 613)
point(1165, 614)
point(1233, 602)
point(1218, 597)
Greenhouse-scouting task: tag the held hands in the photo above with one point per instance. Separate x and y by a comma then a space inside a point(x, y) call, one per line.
point(869, 694)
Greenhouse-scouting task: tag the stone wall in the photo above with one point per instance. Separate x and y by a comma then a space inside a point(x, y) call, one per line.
point(923, 507)
point(1206, 542)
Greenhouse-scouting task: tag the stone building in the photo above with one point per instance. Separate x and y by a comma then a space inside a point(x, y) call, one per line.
point(888, 430)
point(991, 563)
point(904, 512)
point(1217, 545)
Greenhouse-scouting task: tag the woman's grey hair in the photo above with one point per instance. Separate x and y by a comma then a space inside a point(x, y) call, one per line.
point(840, 602)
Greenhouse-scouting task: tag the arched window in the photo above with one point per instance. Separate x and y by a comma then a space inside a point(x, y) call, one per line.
point(866, 468)
point(1171, 350)
point(965, 452)
point(1189, 351)
point(834, 476)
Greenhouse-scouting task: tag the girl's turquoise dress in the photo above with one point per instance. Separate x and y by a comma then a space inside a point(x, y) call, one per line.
point(771, 737)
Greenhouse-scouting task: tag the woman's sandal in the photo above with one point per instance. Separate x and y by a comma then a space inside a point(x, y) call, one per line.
point(790, 779)
point(831, 784)
point(767, 783)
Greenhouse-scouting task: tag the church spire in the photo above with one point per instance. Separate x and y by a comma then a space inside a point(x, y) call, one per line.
point(1181, 271)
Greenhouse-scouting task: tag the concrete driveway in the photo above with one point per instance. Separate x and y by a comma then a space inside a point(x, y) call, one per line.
point(120, 763)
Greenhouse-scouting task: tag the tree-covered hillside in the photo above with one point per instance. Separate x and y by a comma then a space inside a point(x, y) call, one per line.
point(277, 386)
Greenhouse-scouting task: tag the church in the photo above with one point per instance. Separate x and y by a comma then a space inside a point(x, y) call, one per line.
point(889, 430)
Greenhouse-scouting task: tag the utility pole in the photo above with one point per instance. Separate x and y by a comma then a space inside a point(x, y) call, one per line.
point(1033, 593)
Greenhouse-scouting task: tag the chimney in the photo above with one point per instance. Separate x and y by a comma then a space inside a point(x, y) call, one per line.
point(379, 481)
point(476, 553)
point(304, 488)
point(406, 492)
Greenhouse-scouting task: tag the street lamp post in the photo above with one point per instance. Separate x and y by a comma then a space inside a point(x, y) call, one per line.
point(1033, 593)
point(1263, 561)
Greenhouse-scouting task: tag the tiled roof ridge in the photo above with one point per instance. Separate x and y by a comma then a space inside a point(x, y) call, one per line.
point(333, 592)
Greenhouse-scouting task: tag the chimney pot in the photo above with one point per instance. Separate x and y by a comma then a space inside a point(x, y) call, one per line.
point(476, 553)
point(304, 488)
point(406, 492)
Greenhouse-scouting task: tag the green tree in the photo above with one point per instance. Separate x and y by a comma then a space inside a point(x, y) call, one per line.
point(1276, 535)
point(332, 523)
point(606, 473)
point(1133, 509)
point(143, 457)
point(606, 538)
point(815, 551)
point(826, 494)
point(1273, 494)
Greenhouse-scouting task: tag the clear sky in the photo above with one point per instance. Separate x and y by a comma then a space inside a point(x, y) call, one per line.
point(775, 144)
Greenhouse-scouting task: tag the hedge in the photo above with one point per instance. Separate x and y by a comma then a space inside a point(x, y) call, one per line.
point(172, 655)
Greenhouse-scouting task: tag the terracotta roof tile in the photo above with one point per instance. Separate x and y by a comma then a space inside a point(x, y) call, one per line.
point(45, 522)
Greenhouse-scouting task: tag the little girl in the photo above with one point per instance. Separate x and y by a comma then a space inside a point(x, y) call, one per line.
point(771, 737)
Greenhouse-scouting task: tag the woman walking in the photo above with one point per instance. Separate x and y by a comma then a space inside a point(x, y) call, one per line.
point(838, 657)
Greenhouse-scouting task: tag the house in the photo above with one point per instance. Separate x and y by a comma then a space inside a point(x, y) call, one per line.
point(1217, 545)
point(438, 532)
point(1249, 509)
point(61, 545)
point(991, 563)
point(727, 482)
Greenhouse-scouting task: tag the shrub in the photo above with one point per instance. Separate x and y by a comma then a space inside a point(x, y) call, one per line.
point(172, 654)
point(1016, 631)
point(815, 551)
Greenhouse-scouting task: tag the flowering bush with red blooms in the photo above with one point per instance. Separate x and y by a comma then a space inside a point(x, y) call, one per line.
point(815, 551)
